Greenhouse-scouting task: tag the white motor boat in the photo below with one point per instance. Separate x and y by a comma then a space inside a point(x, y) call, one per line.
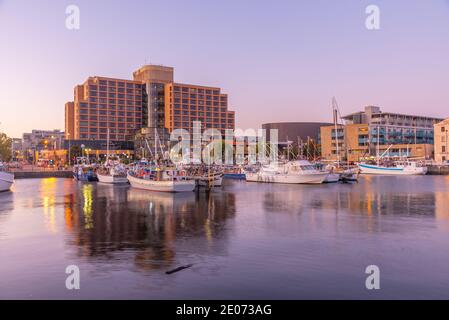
point(162, 180)
point(112, 175)
point(397, 168)
point(6, 179)
point(293, 172)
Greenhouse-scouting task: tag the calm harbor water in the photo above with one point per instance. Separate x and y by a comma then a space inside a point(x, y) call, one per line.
point(249, 241)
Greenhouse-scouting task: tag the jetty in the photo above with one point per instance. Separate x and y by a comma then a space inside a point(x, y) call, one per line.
point(34, 172)
point(438, 169)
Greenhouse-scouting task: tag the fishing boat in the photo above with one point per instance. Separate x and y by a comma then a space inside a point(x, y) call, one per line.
point(292, 172)
point(404, 167)
point(210, 179)
point(207, 176)
point(113, 174)
point(160, 179)
point(6, 179)
point(83, 171)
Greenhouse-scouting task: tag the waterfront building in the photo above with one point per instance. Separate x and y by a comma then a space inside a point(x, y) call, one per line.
point(134, 111)
point(303, 138)
point(441, 130)
point(371, 132)
point(295, 133)
point(17, 149)
point(37, 141)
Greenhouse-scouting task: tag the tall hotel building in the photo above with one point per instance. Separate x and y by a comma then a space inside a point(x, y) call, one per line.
point(101, 104)
point(371, 132)
point(150, 103)
point(186, 103)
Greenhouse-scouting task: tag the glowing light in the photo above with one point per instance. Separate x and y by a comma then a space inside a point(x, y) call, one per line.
point(87, 208)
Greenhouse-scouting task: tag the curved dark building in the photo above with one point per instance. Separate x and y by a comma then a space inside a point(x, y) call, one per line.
point(293, 131)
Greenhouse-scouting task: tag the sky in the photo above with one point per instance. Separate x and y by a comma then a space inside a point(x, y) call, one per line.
point(277, 60)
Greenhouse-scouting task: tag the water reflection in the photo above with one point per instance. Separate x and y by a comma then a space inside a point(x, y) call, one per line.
point(247, 241)
point(107, 219)
point(6, 202)
point(370, 197)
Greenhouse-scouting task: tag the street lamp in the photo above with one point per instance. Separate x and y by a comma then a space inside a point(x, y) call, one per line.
point(68, 136)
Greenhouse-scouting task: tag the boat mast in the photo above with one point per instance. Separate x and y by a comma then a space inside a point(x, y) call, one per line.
point(299, 146)
point(155, 144)
point(378, 145)
point(334, 110)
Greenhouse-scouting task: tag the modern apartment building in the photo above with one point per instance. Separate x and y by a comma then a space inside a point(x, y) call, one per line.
point(371, 132)
point(442, 141)
point(152, 103)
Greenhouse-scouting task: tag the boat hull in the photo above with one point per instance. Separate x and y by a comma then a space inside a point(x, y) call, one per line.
point(6, 181)
point(87, 177)
point(371, 169)
point(307, 178)
point(112, 179)
point(162, 186)
point(236, 176)
point(332, 178)
point(216, 182)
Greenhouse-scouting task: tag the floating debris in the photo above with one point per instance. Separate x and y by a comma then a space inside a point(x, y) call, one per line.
point(179, 269)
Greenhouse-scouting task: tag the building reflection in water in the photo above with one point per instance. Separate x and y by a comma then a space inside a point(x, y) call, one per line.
point(442, 199)
point(372, 197)
point(47, 192)
point(105, 219)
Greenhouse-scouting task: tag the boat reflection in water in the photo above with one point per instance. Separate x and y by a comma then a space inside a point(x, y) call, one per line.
point(113, 221)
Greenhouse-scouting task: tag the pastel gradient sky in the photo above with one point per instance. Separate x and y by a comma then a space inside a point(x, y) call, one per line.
point(277, 60)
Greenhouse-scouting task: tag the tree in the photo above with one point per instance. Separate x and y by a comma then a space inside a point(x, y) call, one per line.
point(75, 151)
point(5, 147)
